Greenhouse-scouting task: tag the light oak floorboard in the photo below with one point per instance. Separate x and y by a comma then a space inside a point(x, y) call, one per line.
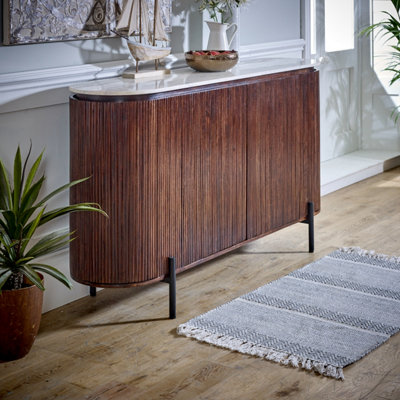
point(120, 344)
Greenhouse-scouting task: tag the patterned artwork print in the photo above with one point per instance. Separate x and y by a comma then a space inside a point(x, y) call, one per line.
point(37, 21)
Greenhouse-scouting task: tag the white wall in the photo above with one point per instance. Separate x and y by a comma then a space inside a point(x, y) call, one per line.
point(270, 21)
point(34, 93)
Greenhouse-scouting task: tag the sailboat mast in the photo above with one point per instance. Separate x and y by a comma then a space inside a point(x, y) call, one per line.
point(140, 21)
point(154, 29)
point(155, 21)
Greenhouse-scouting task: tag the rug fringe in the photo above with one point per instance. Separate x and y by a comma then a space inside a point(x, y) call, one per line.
point(261, 351)
point(370, 254)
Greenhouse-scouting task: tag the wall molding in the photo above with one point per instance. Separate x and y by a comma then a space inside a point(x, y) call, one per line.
point(287, 47)
point(46, 87)
point(49, 87)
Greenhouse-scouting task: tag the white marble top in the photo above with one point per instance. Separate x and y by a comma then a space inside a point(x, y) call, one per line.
point(183, 78)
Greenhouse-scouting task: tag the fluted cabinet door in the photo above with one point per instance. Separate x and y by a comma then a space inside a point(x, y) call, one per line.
point(283, 151)
point(132, 152)
point(214, 173)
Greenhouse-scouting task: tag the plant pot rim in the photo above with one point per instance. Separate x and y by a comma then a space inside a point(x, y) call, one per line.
point(23, 288)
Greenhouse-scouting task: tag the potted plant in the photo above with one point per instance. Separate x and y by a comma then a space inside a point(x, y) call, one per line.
point(21, 279)
point(390, 29)
point(221, 12)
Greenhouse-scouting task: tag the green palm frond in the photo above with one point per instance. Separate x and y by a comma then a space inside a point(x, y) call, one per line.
point(50, 243)
point(55, 273)
point(5, 189)
point(389, 29)
point(4, 275)
point(396, 114)
point(21, 214)
point(221, 8)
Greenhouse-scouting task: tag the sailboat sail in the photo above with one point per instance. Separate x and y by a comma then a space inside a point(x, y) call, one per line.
point(132, 17)
point(135, 19)
point(160, 28)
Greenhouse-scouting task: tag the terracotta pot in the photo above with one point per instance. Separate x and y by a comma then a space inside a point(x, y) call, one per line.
point(20, 314)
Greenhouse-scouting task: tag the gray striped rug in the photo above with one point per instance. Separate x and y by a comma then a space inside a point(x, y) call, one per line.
point(322, 317)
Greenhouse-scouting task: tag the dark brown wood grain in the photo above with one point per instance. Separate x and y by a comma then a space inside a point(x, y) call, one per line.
point(283, 152)
point(214, 179)
point(135, 171)
point(190, 174)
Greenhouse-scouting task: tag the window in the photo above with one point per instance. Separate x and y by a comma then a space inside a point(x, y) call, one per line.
point(339, 25)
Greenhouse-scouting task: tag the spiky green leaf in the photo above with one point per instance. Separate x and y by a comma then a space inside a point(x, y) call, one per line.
point(31, 231)
point(49, 216)
point(5, 189)
point(4, 277)
point(50, 243)
point(24, 260)
point(32, 173)
point(55, 273)
point(396, 4)
point(59, 190)
point(32, 275)
point(31, 195)
point(17, 180)
point(21, 214)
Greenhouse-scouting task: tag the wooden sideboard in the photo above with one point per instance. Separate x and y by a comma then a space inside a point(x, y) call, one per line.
point(190, 173)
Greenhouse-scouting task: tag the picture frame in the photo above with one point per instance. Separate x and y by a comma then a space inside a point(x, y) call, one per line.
point(27, 21)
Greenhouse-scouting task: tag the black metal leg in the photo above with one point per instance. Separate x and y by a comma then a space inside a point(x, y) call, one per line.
point(172, 287)
point(92, 291)
point(310, 221)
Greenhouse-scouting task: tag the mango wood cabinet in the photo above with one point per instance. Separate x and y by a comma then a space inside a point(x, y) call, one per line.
point(190, 173)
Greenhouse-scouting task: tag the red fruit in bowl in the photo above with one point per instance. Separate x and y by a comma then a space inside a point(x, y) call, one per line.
point(214, 53)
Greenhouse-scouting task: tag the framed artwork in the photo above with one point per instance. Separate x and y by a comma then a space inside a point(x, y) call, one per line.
point(40, 21)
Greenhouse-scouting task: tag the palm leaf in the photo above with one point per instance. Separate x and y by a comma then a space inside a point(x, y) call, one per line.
point(8, 245)
point(32, 172)
point(25, 216)
point(21, 214)
point(31, 195)
point(58, 212)
point(32, 275)
point(31, 231)
point(10, 225)
point(59, 190)
point(50, 243)
point(25, 165)
point(55, 273)
point(17, 180)
point(24, 260)
point(396, 4)
point(5, 189)
point(4, 277)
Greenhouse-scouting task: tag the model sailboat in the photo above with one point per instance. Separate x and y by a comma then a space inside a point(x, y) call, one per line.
point(135, 23)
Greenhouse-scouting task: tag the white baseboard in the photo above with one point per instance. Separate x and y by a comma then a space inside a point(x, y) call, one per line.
point(354, 167)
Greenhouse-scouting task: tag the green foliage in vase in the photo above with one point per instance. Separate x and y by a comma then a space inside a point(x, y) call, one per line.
point(220, 10)
point(389, 28)
point(21, 214)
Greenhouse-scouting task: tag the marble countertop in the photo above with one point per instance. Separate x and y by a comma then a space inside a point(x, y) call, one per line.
point(183, 78)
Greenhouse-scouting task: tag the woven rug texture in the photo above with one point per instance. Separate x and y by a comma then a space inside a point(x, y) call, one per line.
point(321, 317)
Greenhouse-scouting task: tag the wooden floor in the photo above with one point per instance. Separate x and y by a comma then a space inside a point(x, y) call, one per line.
point(120, 345)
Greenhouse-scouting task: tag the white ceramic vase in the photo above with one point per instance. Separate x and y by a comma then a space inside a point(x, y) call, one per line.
point(218, 39)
